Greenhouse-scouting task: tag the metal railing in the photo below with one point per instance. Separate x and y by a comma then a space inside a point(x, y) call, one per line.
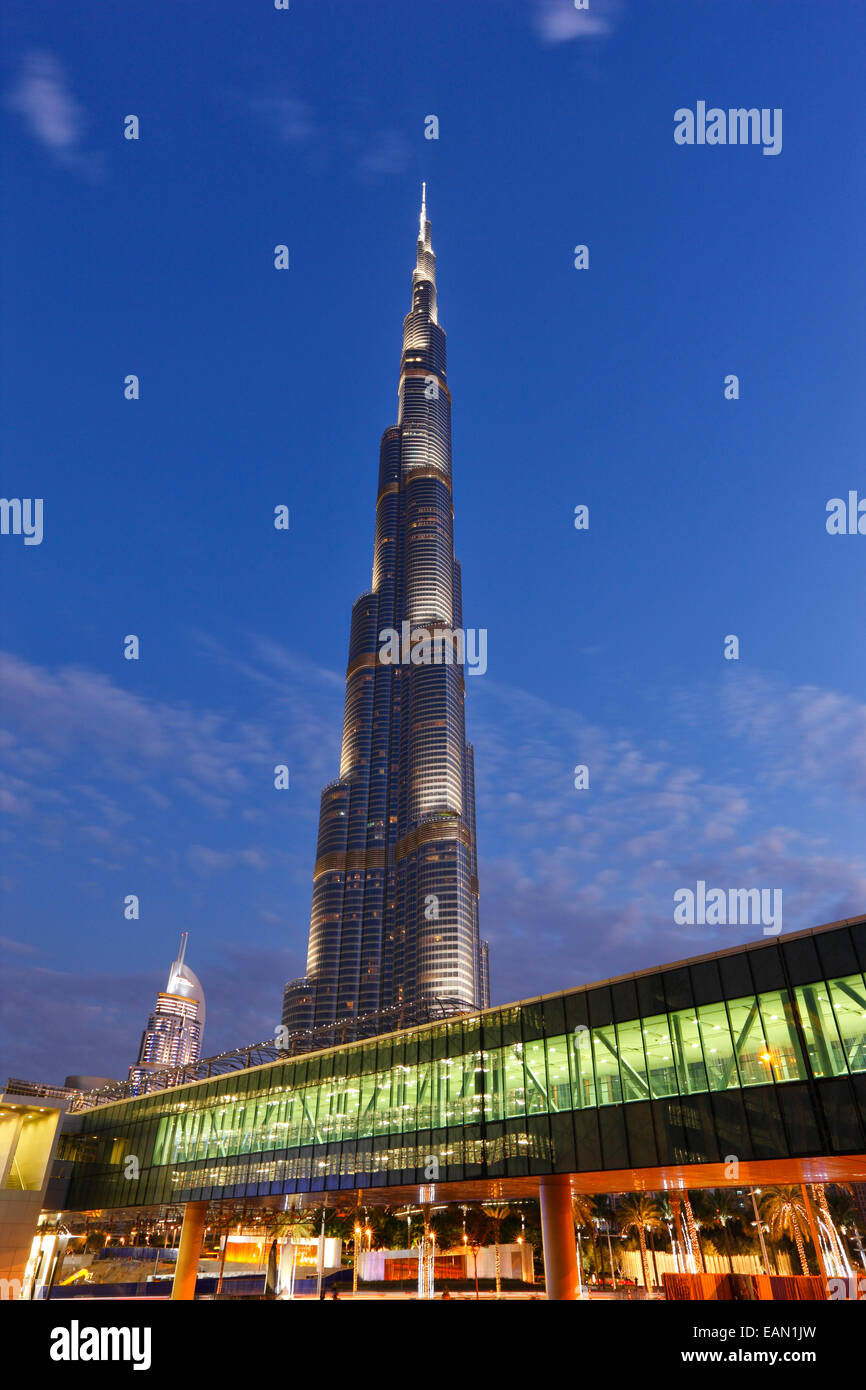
point(341, 1033)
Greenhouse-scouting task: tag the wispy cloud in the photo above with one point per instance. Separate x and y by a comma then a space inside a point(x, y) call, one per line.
point(557, 21)
point(286, 117)
point(324, 140)
point(387, 153)
point(578, 885)
point(51, 114)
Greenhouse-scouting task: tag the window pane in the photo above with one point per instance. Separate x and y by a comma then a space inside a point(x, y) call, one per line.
point(536, 1078)
point(494, 1082)
point(686, 1036)
point(366, 1119)
point(558, 1079)
point(515, 1082)
point(583, 1077)
point(659, 1055)
point(719, 1056)
point(826, 1057)
point(632, 1063)
point(608, 1086)
point(848, 997)
point(786, 1057)
point(424, 1099)
point(753, 1058)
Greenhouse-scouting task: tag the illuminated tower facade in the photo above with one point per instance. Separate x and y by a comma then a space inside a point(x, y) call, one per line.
point(394, 916)
point(174, 1031)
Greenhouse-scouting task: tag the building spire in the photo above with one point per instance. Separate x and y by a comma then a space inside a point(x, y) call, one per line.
point(423, 224)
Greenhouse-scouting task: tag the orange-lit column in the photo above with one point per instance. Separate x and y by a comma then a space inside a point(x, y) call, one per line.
point(191, 1236)
point(557, 1233)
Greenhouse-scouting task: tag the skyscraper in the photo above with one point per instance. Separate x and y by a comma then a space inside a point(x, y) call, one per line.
point(394, 917)
point(174, 1031)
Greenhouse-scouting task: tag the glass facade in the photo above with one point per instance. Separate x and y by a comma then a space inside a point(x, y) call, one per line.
point(394, 915)
point(579, 1081)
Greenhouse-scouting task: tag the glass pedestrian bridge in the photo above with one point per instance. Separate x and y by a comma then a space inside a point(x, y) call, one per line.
point(759, 1051)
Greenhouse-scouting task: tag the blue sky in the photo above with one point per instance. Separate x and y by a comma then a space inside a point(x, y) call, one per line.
point(259, 387)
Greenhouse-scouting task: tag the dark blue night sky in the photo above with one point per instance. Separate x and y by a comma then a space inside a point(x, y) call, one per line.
point(259, 387)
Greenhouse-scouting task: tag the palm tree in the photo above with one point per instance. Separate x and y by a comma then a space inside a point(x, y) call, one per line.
point(496, 1215)
point(693, 1230)
point(819, 1192)
point(723, 1210)
point(477, 1225)
point(446, 1225)
point(583, 1212)
point(785, 1214)
point(293, 1223)
point(603, 1214)
point(840, 1203)
point(639, 1213)
point(666, 1213)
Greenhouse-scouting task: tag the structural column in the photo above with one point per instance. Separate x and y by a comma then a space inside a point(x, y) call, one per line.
point(191, 1236)
point(557, 1233)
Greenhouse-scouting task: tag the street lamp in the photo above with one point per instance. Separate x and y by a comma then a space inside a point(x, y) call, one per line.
point(760, 1229)
point(475, 1247)
point(604, 1225)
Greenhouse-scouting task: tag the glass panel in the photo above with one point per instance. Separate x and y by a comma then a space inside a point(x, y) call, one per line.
point(786, 1056)
point(294, 1118)
point(848, 997)
point(632, 1062)
point(718, 1048)
point(536, 1078)
point(686, 1037)
point(383, 1101)
point(558, 1079)
point(608, 1086)
point(515, 1081)
point(366, 1119)
point(494, 1084)
point(583, 1076)
point(447, 1109)
point(409, 1094)
point(659, 1055)
point(753, 1057)
point(823, 1045)
point(424, 1102)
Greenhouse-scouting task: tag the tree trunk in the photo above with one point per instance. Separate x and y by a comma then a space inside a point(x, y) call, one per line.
point(693, 1231)
point(801, 1249)
point(642, 1239)
point(833, 1235)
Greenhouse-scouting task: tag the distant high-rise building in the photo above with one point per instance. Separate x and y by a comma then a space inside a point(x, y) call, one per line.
point(395, 887)
point(174, 1031)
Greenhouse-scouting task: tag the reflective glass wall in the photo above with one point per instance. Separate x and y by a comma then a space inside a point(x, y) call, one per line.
point(596, 1078)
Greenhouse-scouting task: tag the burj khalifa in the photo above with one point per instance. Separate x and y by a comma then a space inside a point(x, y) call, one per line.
point(394, 918)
